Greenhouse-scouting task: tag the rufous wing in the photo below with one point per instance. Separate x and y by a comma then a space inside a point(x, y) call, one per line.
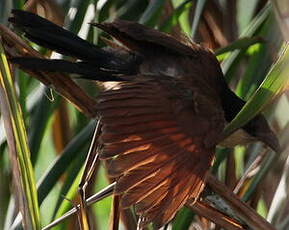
point(155, 137)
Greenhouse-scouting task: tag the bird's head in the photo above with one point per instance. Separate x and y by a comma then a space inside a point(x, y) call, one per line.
point(259, 129)
point(256, 129)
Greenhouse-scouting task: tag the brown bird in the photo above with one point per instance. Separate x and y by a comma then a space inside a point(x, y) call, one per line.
point(161, 124)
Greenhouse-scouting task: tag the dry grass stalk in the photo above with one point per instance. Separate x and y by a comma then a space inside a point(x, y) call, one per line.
point(245, 212)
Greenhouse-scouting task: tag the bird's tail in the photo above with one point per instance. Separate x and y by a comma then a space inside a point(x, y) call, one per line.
point(95, 63)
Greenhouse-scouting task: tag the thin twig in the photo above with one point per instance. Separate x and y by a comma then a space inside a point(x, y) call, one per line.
point(91, 159)
point(115, 213)
point(253, 166)
point(199, 207)
point(107, 191)
point(89, 168)
point(246, 213)
point(210, 213)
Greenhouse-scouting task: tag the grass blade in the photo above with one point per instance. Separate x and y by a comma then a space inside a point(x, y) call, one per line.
point(18, 146)
point(107, 191)
point(229, 63)
point(70, 153)
point(151, 13)
point(242, 43)
point(198, 12)
point(62, 163)
point(39, 121)
point(275, 81)
point(172, 20)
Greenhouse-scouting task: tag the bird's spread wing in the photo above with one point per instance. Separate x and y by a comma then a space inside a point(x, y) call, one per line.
point(159, 144)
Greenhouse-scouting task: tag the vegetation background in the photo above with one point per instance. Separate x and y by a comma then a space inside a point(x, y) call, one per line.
point(248, 36)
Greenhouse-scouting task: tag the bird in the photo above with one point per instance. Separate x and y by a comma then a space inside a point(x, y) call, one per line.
point(161, 123)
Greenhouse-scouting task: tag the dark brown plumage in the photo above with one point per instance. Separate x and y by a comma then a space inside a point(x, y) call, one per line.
point(162, 155)
point(161, 124)
point(162, 129)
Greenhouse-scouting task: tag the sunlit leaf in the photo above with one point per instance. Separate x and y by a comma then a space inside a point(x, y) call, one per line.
point(230, 63)
point(18, 148)
point(242, 43)
point(272, 86)
point(60, 165)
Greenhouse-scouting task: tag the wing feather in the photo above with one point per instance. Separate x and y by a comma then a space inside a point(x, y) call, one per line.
point(132, 120)
point(151, 199)
point(126, 162)
point(156, 135)
point(138, 175)
point(112, 149)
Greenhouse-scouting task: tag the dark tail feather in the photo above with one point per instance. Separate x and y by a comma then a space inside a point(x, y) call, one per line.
point(83, 69)
point(49, 35)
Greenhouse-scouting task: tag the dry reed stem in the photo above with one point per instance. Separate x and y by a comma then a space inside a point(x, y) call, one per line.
point(203, 209)
point(244, 211)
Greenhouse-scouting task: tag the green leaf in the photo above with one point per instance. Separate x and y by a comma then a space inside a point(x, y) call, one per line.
point(183, 219)
point(65, 205)
point(274, 83)
point(70, 184)
point(259, 55)
point(60, 165)
point(81, 7)
point(44, 109)
point(230, 63)
point(172, 20)
point(242, 43)
point(18, 147)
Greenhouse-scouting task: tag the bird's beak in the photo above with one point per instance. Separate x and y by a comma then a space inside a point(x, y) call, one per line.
point(271, 140)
